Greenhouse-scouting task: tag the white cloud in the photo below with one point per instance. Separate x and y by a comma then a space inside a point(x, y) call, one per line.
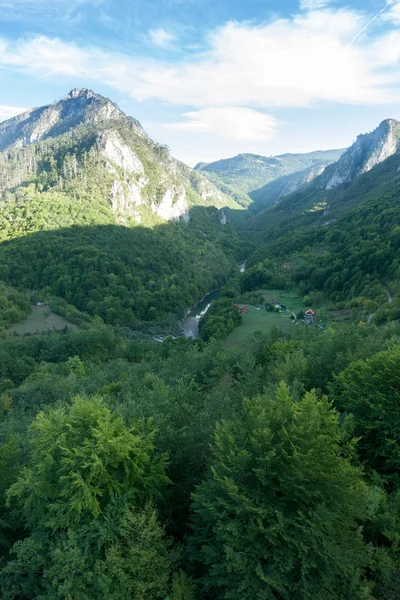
point(393, 14)
point(229, 122)
point(313, 4)
point(285, 63)
point(293, 62)
point(161, 37)
point(6, 112)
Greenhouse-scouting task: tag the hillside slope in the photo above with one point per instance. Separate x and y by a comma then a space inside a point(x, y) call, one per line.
point(359, 173)
point(95, 212)
point(276, 190)
point(354, 258)
point(245, 173)
point(86, 148)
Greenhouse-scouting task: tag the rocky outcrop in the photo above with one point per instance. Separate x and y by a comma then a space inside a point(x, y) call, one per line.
point(173, 206)
point(93, 149)
point(78, 107)
point(117, 153)
point(368, 151)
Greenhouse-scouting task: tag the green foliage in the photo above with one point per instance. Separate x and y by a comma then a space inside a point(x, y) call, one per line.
point(123, 549)
point(122, 274)
point(370, 391)
point(84, 497)
point(14, 307)
point(120, 556)
point(82, 456)
point(220, 319)
point(182, 588)
point(278, 515)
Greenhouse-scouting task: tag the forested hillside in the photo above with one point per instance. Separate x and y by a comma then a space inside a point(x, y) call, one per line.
point(349, 253)
point(94, 212)
point(137, 465)
point(245, 173)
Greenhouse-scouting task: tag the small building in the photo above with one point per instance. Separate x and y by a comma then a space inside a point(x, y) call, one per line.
point(309, 316)
point(286, 265)
point(241, 309)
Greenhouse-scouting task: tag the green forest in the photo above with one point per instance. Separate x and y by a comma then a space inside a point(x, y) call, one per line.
point(140, 464)
point(268, 470)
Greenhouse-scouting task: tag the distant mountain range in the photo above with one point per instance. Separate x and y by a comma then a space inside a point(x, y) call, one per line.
point(242, 175)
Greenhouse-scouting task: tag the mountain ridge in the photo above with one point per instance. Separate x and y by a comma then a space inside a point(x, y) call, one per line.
point(367, 151)
point(244, 173)
point(134, 175)
point(336, 190)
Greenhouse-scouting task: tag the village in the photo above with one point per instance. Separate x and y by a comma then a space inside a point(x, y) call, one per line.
point(275, 306)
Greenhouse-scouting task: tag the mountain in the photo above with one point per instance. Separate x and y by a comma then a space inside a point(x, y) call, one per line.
point(353, 257)
point(369, 150)
point(360, 171)
point(97, 214)
point(78, 107)
point(245, 173)
point(276, 190)
point(84, 146)
point(340, 234)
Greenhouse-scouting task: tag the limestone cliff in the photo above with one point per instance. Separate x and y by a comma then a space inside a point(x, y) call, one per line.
point(85, 145)
point(369, 150)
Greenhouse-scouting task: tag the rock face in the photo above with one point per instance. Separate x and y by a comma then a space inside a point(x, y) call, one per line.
point(173, 205)
point(368, 151)
point(111, 146)
point(79, 107)
point(276, 190)
point(106, 155)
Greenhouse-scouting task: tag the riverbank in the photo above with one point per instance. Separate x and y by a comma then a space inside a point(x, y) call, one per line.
point(190, 324)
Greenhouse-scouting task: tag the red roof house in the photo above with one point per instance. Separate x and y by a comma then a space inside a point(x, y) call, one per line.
point(309, 316)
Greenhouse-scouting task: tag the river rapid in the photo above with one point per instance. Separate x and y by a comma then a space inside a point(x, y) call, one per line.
point(190, 324)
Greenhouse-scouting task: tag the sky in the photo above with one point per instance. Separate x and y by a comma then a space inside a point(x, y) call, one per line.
point(212, 78)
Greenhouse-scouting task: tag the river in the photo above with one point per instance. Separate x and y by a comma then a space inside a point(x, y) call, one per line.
point(190, 325)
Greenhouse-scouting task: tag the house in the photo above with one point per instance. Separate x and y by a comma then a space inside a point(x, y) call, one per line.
point(286, 265)
point(241, 309)
point(309, 316)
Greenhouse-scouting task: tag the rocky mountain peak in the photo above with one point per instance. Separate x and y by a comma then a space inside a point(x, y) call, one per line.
point(368, 150)
point(80, 106)
point(76, 92)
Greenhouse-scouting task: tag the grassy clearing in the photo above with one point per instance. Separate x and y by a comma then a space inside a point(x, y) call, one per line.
point(264, 321)
point(41, 319)
point(259, 320)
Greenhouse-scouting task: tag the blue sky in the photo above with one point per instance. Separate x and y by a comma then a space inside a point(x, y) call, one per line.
point(212, 78)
